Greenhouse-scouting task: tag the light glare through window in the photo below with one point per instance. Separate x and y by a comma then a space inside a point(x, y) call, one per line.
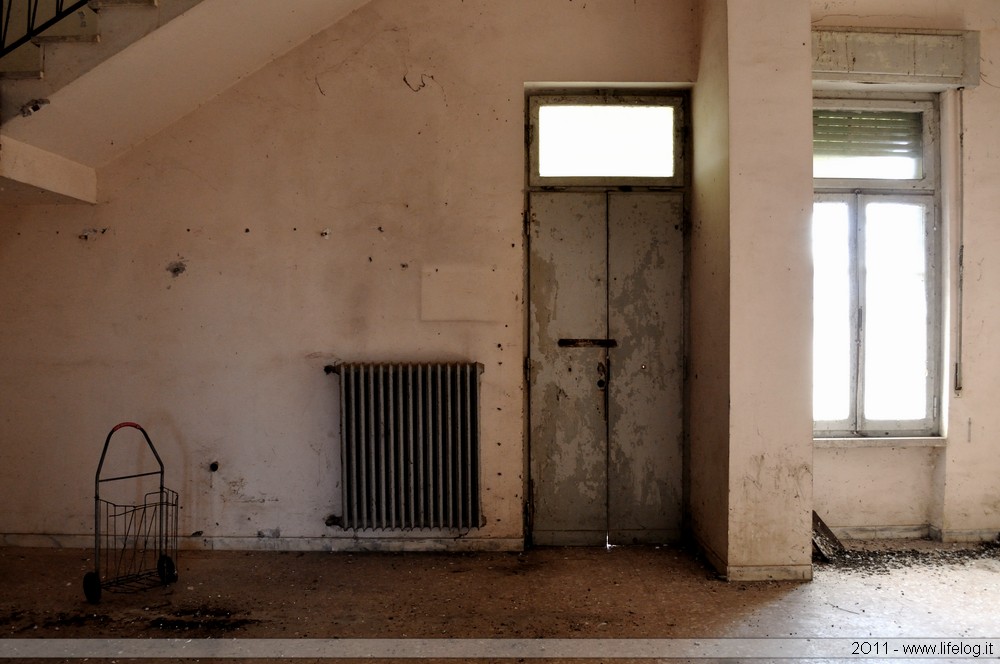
point(892, 305)
point(896, 312)
point(606, 141)
point(871, 168)
point(832, 316)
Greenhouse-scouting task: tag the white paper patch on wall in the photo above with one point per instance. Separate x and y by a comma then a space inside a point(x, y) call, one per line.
point(460, 293)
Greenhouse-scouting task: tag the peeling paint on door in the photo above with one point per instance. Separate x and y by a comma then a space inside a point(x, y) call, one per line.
point(568, 429)
point(606, 287)
point(646, 309)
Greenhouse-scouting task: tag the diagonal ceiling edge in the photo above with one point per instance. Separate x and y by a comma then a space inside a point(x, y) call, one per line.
point(164, 76)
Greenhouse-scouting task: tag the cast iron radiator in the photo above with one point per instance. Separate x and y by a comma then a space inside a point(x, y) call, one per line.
point(410, 446)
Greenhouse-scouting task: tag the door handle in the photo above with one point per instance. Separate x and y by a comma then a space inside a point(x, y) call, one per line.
point(588, 343)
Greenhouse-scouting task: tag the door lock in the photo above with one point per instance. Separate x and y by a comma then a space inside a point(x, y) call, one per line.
point(588, 343)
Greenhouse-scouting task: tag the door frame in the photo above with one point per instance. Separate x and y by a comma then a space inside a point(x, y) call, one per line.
point(680, 99)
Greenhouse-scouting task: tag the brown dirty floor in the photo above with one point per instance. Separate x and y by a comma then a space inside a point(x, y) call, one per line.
point(889, 589)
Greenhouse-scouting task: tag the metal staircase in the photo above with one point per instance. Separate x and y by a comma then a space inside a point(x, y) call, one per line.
point(20, 22)
point(46, 44)
point(27, 26)
point(106, 89)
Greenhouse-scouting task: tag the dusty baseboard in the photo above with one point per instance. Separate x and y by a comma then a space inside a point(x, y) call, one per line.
point(715, 561)
point(345, 543)
point(769, 572)
point(34, 540)
point(924, 531)
point(348, 543)
point(882, 532)
point(753, 572)
point(951, 535)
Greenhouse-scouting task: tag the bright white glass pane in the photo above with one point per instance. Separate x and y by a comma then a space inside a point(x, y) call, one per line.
point(896, 357)
point(606, 141)
point(872, 168)
point(831, 311)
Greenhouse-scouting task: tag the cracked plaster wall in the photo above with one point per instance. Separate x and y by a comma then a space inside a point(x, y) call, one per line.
point(337, 205)
point(949, 490)
point(358, 199)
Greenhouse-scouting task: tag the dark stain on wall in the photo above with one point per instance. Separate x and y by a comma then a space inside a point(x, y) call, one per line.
point(177, 268)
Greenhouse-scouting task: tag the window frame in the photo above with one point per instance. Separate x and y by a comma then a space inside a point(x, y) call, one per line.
point(536, 101)
point(857, 193)
point(857, 423)
point(931, 132)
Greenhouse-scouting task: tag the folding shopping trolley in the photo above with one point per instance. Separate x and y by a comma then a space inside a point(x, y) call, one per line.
point(134, 545)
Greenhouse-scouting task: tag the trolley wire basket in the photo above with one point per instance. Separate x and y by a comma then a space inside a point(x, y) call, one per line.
point(135, 545)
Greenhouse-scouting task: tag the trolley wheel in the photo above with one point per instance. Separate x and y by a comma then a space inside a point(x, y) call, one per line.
point(165, 568)
point(92, 587)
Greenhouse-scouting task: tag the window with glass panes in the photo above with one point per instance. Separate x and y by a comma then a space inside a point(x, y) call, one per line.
point(876, 318)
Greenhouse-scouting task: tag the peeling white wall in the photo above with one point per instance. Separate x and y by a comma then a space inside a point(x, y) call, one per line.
point(875, 492)
point(750, 420)
point(971, 498)
point(770, 464)
point(951, 491)
point(202, 296)
point(707, 414)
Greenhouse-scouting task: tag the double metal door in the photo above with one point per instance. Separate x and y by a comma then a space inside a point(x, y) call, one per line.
point(606, 367)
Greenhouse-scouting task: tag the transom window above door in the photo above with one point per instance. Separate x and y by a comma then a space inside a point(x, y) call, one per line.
point(618, 140)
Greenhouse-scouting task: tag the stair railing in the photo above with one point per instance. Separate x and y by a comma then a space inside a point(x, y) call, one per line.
point(39, 16)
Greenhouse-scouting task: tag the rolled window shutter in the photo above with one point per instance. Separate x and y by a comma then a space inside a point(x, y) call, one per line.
point(856, 133)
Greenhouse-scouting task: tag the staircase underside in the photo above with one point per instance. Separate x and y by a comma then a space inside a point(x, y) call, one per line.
point(30, 175)
point(52, 155)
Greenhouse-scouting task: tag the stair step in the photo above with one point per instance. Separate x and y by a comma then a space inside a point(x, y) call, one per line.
point(23, 62)
point(27, 61)
point(81, 26)
point(96, 5)
point(36, 71)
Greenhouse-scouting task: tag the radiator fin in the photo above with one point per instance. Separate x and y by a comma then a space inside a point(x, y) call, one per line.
point(410, 447)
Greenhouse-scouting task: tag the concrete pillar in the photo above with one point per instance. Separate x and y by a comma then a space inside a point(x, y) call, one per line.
point(751, 276)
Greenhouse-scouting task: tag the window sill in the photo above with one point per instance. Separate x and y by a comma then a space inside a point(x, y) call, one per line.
point(852, 443)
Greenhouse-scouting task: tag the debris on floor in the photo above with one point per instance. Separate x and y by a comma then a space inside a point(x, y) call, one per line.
point(923, 587)
point(881, 556)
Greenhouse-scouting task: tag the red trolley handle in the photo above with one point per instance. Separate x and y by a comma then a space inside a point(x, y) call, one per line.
point(107, 441)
